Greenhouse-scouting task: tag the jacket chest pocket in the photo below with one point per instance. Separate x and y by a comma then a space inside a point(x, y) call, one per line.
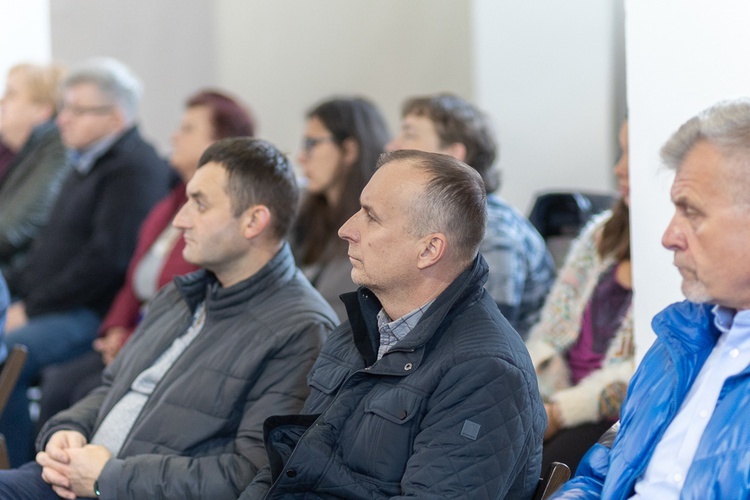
point(324, 380)
point(383, 439)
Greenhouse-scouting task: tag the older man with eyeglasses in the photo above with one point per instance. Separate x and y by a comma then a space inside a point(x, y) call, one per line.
point(78, 261)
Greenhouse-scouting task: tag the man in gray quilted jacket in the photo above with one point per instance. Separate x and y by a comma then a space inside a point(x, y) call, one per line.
point(180, 412)
point(426, 391)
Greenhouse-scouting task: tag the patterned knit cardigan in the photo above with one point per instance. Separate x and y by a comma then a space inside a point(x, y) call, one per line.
point(599, 395)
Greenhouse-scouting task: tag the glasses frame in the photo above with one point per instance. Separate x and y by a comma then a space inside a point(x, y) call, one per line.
point(79, 111)
point(309, 143)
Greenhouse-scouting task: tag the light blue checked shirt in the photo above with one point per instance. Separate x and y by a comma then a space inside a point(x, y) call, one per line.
point(392, 331)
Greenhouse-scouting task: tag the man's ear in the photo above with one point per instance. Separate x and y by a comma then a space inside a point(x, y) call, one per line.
point(457, 150)
point(351, 151)
point(433, 248)
point(255, 220)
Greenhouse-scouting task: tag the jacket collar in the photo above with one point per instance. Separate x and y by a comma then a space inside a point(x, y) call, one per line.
point(688, 331)
point(363, 306)
point(687, 324)
point(203, 285)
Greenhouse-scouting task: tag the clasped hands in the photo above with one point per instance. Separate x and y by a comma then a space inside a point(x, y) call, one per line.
point(70, 465)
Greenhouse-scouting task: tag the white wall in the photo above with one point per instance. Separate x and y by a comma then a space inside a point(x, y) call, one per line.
point(551, 75)
point(169, 44)
point(549, 72)
point(24, 35)
point(286, 55)
point(682, 57)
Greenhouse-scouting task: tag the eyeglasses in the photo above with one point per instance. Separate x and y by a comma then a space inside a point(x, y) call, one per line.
point(85, 110)
point(309, 143)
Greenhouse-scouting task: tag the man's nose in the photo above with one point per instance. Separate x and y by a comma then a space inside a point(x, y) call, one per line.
point(673, 239)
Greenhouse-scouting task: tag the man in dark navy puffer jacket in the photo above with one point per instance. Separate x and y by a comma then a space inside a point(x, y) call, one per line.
point(427, 391)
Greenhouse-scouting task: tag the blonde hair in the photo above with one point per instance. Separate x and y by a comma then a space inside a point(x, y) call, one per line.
point(43, 81)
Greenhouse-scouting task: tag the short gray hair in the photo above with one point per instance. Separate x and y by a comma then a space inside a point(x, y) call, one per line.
point(115, 80)
point(726, 125)
point(454, 201)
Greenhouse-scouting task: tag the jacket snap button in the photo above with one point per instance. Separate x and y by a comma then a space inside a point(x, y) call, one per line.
point(407, 366)
point(291, 473)
point(402, 414)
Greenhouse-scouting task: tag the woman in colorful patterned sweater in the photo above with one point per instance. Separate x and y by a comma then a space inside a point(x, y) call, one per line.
point(582, 347)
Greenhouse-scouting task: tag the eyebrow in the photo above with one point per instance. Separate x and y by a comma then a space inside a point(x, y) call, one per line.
point(367, 208)
point(197, 194)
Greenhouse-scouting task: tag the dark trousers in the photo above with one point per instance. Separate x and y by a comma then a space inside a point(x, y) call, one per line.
point(570, 445)
point(25, 483)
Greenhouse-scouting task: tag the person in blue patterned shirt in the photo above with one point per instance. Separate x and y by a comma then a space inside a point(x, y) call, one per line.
point(521, 269)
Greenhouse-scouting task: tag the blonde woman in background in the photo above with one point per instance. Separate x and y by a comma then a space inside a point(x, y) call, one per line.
point(582, 347)
point(30, 182)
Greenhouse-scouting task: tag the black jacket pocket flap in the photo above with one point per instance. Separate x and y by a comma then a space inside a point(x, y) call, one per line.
point(395, 405)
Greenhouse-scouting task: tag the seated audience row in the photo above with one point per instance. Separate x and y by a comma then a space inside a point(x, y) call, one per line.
point(182, 407)
point(425, 389)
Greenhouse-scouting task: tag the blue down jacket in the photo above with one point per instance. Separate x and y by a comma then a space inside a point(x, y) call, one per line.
point(721, 467)
point(452, 411)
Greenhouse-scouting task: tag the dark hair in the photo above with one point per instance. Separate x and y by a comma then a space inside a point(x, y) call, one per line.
point(229, 118)
point(615, 238)
point(457, 120)
point(257, 174)
point(345, 118)
point(454, 201)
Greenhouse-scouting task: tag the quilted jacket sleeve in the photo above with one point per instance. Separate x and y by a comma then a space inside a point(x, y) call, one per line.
point(481, 437)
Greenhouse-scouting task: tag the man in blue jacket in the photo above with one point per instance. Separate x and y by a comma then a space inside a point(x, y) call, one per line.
point(684, 431)
point(426, 391)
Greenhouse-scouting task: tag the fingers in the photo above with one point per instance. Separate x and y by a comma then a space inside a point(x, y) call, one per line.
point(55, 477)
point(64, 493)
point(62, 440)
point(57, 454)
point(47, 461)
